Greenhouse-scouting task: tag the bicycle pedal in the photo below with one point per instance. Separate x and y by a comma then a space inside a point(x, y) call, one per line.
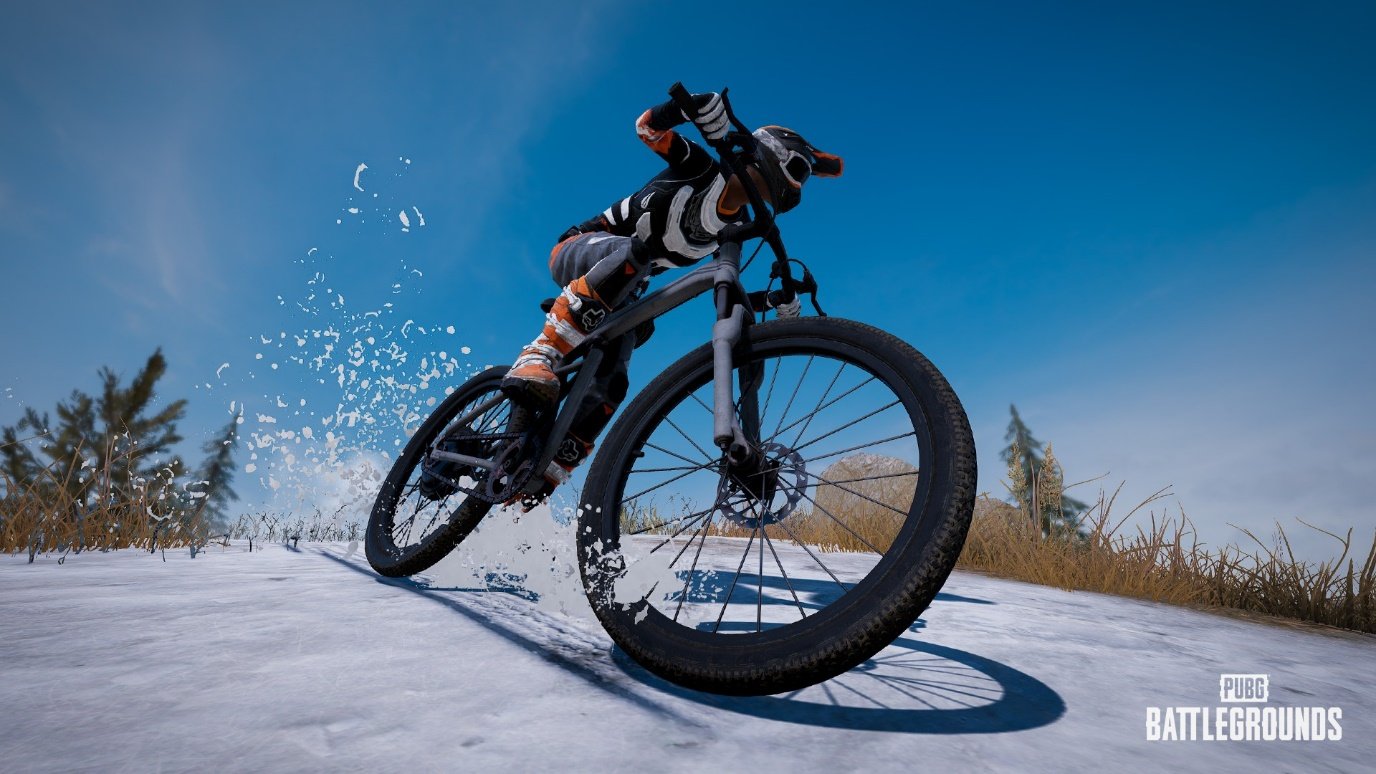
point(532, 396)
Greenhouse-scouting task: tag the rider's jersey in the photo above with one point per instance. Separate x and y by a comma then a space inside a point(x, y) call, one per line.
point(677, 213)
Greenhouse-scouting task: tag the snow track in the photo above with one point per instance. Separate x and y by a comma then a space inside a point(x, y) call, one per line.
point(305, 660)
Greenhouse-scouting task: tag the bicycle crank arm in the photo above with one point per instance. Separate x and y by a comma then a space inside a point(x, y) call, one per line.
point(463, 459)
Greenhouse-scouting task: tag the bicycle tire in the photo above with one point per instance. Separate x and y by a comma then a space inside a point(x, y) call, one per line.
point(380, 547)
point(864, 619)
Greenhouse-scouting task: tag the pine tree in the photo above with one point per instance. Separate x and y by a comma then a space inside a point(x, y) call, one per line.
point(115, 434)
point(133, 441)
point(1037, 482)
point(217, 471)
point(18, 465)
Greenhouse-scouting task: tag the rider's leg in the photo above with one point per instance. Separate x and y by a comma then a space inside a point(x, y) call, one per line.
point(597, 409)
point(598, 271)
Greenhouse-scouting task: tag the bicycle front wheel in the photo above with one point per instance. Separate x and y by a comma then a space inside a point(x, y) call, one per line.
point(805, 562)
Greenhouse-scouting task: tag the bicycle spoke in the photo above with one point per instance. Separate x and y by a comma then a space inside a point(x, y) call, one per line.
point(873, 478)
point(410, 521)
point(802, 613)
point(694, 516)
point(765, 409)
point(784, 526)
point(794, 396)
point(734, 579)
point(680, 530)
point(704, 454)
point(822, 400)
point(862, 446)
point(478, 411)
point(851, 423)
point(661, 524)
point(831, 403)
point(705, 407)
point(759, 600)
point(706, 527)
point(844, 526)
point(668, 482)
point(671, 454)
point(439, 511)
point(668, 470)
point(857, 494)
point(687, 581)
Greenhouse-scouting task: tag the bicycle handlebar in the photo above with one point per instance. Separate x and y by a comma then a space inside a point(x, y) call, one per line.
point(762, 223)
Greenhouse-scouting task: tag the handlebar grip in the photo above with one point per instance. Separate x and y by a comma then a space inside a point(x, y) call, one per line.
point(683, 99)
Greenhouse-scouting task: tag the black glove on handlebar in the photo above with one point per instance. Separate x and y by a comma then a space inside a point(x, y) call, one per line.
point(711, 116)
point(708, 113)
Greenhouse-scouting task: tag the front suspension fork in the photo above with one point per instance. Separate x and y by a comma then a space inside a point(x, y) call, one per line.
point(735, 428)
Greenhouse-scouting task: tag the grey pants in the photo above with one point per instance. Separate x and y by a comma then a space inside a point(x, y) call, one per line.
point(604, 260)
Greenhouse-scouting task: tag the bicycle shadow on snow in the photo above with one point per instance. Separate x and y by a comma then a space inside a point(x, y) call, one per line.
point(923, 688)
point(911, 686)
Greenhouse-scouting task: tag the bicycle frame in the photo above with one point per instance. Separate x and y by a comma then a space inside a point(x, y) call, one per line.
point(733, 315)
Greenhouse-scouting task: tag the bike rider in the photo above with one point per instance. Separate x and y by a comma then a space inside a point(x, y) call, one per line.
point(670, 222)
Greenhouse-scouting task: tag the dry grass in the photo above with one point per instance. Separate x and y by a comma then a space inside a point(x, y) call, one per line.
point(852, 511)
point(1164, 561)
point(83, 509)
point(1161, 560)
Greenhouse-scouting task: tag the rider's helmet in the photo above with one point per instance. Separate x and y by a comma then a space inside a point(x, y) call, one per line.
point(785, 160)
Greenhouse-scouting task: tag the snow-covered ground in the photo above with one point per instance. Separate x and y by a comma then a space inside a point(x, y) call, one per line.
point(305, 660)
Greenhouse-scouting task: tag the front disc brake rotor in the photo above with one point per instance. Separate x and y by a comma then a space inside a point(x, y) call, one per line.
point(782, 480)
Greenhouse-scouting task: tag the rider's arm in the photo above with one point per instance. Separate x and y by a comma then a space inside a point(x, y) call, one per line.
point(655, 127)
point(595, 223)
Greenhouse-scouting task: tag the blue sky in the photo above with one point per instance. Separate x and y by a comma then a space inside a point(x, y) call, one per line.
point(1148, 225)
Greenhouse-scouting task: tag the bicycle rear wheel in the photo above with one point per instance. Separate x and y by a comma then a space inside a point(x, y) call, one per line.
point(423, 510)
point(771, 577)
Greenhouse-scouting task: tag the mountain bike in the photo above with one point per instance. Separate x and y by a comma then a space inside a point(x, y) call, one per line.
point(770, 511)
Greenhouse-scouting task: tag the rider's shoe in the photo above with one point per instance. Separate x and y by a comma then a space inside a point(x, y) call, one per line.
point(575, 312)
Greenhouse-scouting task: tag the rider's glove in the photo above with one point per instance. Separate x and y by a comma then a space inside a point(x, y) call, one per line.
point(791, 309)
point(711, 115)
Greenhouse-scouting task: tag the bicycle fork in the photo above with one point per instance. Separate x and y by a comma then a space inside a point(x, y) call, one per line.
point(736, 437)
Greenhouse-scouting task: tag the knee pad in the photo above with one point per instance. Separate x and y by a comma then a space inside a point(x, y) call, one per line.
point(585, 305)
